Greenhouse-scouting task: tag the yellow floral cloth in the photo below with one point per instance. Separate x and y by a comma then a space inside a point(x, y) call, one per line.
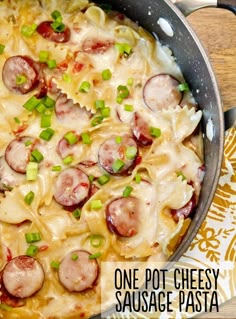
point(215, 241)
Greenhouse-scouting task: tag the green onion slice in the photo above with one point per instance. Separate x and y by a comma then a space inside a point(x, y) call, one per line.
point(20, 79)
point(155, 131)
point(71, 138)
point(2, 48)
point(55, 264)
point(56, 168)
point(94, 256)
point(32, 237)
point(85, 87)
point(183, 87)
point(29, 197)
point(32, 171)
point(46, 119)
point(118, 139)
point(43, 56)
point(122, 91)
point(68, 160)
point(131, 152)
point(106, 75)
point(51, 64)
point(182, 175)
point(96, 240)
point(106, 111)
point(36, 156)
point(123, 48)
point(96, 204)
point(28, 30)
point(31, 104)
point(49, 102)
point(77, 213)
point(97, 120)
point(127, 191)
point(74, 257)
point(138, 178)
point(32, 251)
point(117, 165)
point(47, 134)
point(99, 104)
point(16, 120)
point(86, 138)
point(102, 180)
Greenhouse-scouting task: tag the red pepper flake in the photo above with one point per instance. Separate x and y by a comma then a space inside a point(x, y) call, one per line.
point(63, 66)
point(84, 185)
point(43, 247)
point(77, 67)
point(20, 129)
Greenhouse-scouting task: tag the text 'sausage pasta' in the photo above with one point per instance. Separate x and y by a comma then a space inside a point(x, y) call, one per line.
point(100, 153)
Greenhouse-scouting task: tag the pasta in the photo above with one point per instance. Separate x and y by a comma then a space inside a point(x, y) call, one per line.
point(99, 155)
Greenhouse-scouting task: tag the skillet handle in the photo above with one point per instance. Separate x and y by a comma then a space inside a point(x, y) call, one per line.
point(189, 6)
point(227, 4)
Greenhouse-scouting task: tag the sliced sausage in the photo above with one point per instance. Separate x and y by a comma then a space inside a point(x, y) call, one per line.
point(47, 32)
point(72, 187)
point(78, 274)
point(8, 177)
point(122, 216)
point(111, 151)
point(184, 211)
point(66, 110)
point(17, 153)
point(6, 298)
point(23, 276)
point(140, 130)
point(96, 46)
point(20, 65)
point(65, 149)
point(161, 92)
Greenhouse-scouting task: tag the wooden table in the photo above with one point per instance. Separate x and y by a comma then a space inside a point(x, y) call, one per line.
point(217, 32)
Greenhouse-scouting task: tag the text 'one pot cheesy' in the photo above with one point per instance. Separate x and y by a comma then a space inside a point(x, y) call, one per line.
point(100, 153)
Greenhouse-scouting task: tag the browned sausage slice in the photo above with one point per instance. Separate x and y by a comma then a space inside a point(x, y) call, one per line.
point(17, 67)
point(184, 211)
point(110, 152)
point(161, 92)
point(140, 130)
point(96, 46)
point(6, 298)
point(71, 187)
point(23, 276)
point(8, 177)
point(17, 153)
point(77, 272)
point(46, 31)
point(122, 216)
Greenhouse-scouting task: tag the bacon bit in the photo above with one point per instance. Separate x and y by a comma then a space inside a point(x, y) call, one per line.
point(121, 151)
point(138, 160)
point(77, 67)
point(43, 248)
point(20, 129)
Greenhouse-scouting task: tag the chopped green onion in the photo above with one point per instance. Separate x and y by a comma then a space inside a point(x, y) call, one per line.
point(77, 213)
point(32, 251)
point(182, 175)
point(138, 178)
point(118, 139)
point(58, 26)
point(86, 138)
point(94, 256)
point(5, 307)
point(71, 138)
point(68, 160)
point(127, 191)
point(96, 240)
point(55, 264)
point(119, 100)
point(74, 257)
point(155, 131)
point(106, 111)
point(51, 64)
point(183, 87)
point(56, 168)
point(85, 87)
point(123, 48)
point(41, 108)
point(48, 102)
point(2, 48)
point(28, 143)
point(36, 156)
point(56, 14)
point(99, 104)
point(131, 152)
point(128, 108)
point(67, 77)
point(106, 75)
point(130, 81)
point(17, 120)
point(28, 30)
point(117, 165)
point(31, 171)
point(102, 180)
point(20, 79)
point(32, 237)
point(43, 56)
point(97, 120)
point(91, 178)
point(122, 91)
point(31, 104)
point(45, 119)
point(47, 134)
point(29, 197)
point(96, 204)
